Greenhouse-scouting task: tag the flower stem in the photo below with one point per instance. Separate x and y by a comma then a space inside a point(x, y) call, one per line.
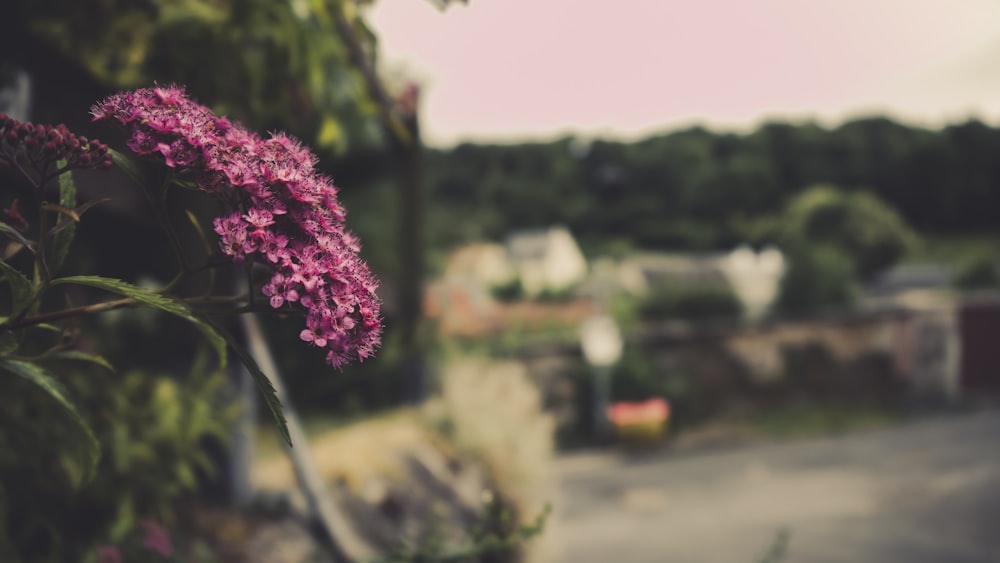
point(35, 320)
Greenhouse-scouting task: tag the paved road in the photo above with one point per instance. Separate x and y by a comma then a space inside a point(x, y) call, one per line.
point(925, 492)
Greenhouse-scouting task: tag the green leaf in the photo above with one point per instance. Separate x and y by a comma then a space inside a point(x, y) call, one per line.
point(201, 232)
point(69, 213)
point(36, 375)
point(8, 343)
point(63, 237)
point(78, 356)
point(120, 458)
point(72, 216)
point(263, 384)
point(20, 287)
point(13, 233)
point(155, 300)
point(127, 166)
point(125, 520)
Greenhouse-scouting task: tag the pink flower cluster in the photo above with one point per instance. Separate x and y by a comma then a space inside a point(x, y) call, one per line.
point(283, 212)
point(37, 146)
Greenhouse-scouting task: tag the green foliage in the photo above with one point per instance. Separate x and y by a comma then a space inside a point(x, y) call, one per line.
point(152, 429)
point(696, 189)
point(20, 288)
point(977, 271)
point(92, 450)
point(495, 537)
point(817, 278)
point(556, 295)
point(860, 225)
point(691, 302)
point(269, 64)
point(62, 238)
point(47, 383)
point(507, 292)
point(158, 301)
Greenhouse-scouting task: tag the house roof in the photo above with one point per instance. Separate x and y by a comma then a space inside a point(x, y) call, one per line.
point(661, 268)
point(467, 259)
point(908, 277)
point(531, 244)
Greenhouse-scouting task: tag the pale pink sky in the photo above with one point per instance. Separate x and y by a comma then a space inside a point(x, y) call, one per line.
point(504, 70)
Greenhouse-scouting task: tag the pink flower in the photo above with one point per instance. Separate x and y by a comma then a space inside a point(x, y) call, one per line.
point(108, 554)
point(282, 213)
point(34, 148)
point(156, 538)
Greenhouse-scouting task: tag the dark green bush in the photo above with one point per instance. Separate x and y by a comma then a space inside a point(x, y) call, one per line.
point(868, 231)
point(977, 271)
point(691, 302)
point(561, 295)
point(509, 291)
point(818, 278)
point(152, 428)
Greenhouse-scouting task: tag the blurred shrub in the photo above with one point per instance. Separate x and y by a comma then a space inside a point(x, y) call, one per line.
point(152, 428)
point(678, 233)
point(758, 232)
point(817, 278)
point(977, 271)
point(864, 228)
point(691, 302)
point(509, 291)
point(557, 295)
point(493, 411)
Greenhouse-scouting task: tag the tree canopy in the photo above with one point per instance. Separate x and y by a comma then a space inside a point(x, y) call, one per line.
point(269, 64)
point(699, 189)
point(857, 223)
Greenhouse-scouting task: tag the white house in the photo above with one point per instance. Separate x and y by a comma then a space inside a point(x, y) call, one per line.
point(484, 262)
point(546, 259)
point(754, 276)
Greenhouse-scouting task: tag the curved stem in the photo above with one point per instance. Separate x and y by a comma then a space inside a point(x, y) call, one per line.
point(42, 318)
point(159, 208)
point(175, 242)
point(42, 278)
point(250, 291)
point(12, 161)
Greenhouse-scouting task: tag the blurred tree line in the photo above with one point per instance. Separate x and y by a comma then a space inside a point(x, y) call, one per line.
point(697, 189)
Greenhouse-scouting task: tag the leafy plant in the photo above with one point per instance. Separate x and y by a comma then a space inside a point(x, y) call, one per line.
point(278, 215)
point(860, 225)
point(509, 291)
point(152, 430)
point(495, 537)
point(977, 271)
point(819, 278)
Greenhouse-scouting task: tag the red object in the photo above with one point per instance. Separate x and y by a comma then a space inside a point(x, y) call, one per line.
point(652, 410)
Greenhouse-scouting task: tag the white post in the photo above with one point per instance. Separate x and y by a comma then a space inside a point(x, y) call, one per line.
point(335, 522)
point(602, 345)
